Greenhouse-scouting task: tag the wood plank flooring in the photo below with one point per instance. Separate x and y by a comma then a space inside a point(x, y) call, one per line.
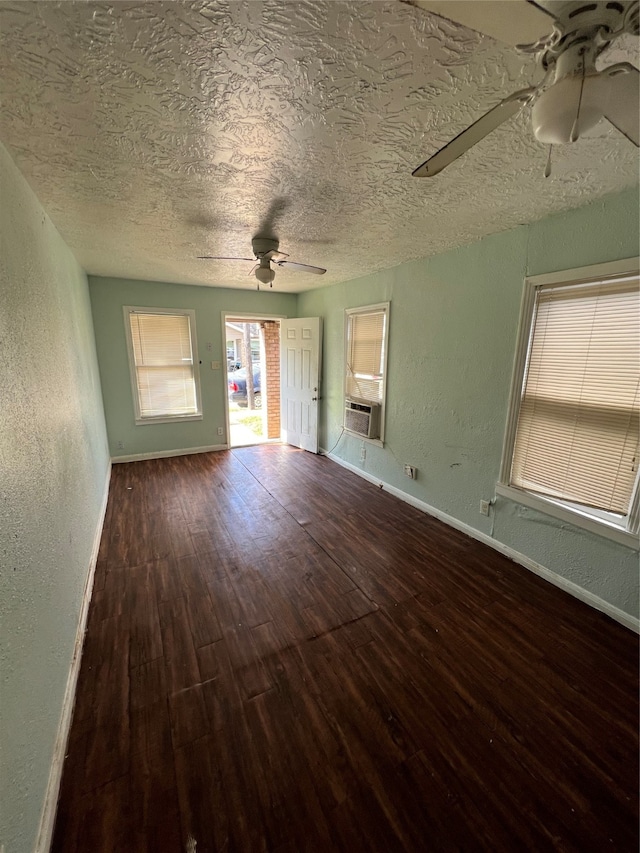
point(282, 657)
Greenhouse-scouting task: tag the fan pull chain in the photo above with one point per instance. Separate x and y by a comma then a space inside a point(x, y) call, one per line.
point(547, 168)
point(574, 130)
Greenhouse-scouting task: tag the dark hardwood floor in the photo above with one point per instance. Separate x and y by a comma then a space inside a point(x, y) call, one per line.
point(282, 657)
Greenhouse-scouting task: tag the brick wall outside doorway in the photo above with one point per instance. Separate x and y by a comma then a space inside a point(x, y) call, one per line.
point(271, 337)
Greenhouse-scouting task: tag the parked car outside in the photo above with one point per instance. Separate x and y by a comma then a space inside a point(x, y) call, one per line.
point(237, 383)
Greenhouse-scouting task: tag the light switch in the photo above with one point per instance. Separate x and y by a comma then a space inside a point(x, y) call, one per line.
point(215, 365)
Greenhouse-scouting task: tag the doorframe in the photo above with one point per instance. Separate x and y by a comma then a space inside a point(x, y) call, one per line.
point(244, 318)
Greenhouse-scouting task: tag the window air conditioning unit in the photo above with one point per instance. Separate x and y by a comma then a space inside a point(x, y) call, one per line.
point(362, 418)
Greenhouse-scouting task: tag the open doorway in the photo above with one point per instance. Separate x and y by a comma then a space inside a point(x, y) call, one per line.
point(253, 407)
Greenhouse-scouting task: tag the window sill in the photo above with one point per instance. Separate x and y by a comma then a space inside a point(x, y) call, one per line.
point(608, 529)
point(168, 420)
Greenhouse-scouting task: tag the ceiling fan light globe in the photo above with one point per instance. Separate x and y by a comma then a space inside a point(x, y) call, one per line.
point(265, 275)
point(554, 112)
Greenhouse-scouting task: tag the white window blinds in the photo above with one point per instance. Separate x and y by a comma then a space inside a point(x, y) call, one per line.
point(579, 422)
point(366, 355)
point(163, 358)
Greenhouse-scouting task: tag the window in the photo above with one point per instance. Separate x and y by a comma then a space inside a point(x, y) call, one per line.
point(573, 439)
point(366, 332)
point(164, 371)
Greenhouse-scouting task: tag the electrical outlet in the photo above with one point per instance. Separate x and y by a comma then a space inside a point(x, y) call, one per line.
point(410, 471)
point(121, 445)
point(209, 346)
point(363, 453)
point(220, 431)
point(484, 507)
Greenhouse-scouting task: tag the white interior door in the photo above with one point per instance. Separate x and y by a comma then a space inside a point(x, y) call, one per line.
point(300, 348)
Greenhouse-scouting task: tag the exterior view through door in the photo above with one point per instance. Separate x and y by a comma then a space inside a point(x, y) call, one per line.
point(253, 407)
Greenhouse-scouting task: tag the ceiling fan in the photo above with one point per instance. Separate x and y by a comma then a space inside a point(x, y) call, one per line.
point(265, 250)
point(573, 95)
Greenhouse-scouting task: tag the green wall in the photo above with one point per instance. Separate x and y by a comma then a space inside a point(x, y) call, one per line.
point(453, 326)
point(108, 295)
point(54, 465)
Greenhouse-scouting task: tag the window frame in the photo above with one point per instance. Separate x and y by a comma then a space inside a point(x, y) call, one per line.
point(348, 313)
point(623, 530)
point(142, 420)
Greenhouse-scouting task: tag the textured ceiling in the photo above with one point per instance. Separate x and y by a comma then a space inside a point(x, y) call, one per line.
point(153, 132)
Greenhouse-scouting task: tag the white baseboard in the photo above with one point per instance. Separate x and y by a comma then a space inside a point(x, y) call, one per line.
point(163, 454)
point(48, 817)
point(557, 580)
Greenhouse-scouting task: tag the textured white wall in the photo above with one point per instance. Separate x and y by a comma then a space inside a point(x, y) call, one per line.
point(53, 468)
point(453, 325)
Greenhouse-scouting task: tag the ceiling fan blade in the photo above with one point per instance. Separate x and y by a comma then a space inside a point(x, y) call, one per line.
point(301, 267)
point(473, 134)
point(510, 21)
point(622, 106)
point(214, 258)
